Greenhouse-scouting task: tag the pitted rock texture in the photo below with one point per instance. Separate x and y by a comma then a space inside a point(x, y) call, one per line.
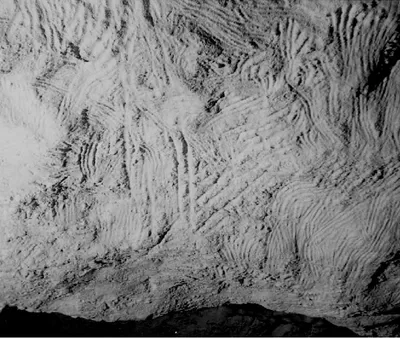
point(161, 156)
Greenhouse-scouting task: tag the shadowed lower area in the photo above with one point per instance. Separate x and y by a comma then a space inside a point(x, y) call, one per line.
point(227, 320)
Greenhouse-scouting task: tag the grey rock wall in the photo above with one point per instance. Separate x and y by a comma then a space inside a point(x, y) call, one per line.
point(161, 156)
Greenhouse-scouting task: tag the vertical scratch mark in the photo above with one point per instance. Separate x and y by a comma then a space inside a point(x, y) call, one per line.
point(180, 170)
point(127, 154)
point(176, 165)
point(186, 179)
point(151, 197)
point(192, 191)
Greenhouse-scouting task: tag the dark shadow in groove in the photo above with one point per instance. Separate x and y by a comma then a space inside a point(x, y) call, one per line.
point(227, 320)
point(147, 12)
point(389, 57)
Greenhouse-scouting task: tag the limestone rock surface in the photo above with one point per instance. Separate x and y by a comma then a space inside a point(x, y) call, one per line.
point(160, 156)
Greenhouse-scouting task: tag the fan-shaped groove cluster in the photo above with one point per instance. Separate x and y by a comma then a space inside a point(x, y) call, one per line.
point(243, 252)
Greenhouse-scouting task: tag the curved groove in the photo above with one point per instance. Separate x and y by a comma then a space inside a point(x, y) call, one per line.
point(242, 251)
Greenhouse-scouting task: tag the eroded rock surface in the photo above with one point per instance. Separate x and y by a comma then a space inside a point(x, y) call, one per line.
point(161, 156)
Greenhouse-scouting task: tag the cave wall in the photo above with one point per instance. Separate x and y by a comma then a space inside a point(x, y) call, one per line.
point(162, 156)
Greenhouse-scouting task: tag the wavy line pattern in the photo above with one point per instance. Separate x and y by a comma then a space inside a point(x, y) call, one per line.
point(357, 30)
point(244, 252)
point(327, 234)
point(226, 28)
point(246, 249)
point(262, 67)
point(188, 115)
point(294, 40)
point(67, 213)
